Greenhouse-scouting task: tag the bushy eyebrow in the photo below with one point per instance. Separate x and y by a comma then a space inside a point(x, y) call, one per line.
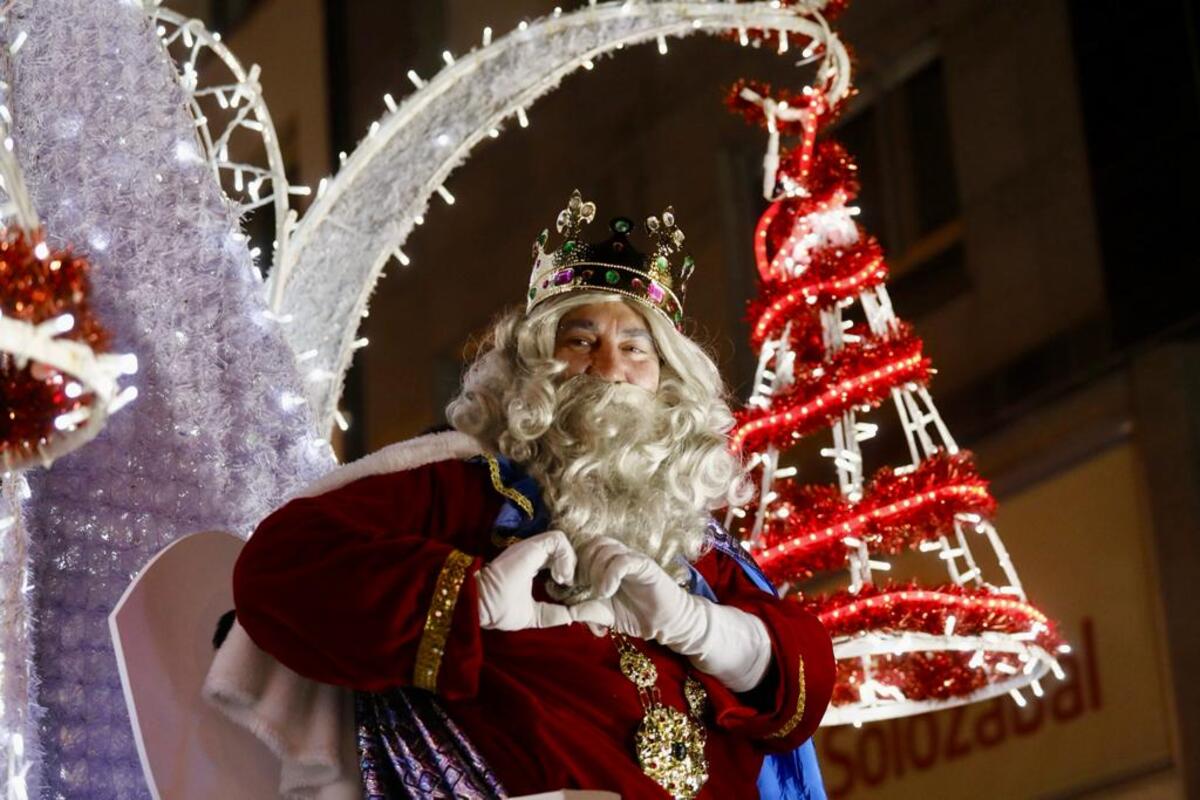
point(640, 333)
point(582, 324)
point(590, 326)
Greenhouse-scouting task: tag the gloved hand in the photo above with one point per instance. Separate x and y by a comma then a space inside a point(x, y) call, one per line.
point(506, 584)
point(633, 595)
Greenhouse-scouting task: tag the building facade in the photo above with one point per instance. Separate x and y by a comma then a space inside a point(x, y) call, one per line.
point(1027, 166)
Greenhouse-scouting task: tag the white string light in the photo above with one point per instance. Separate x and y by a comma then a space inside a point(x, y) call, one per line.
point(243, 113)
point(16, 638)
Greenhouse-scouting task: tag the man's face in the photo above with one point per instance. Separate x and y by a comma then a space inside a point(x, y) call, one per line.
point(610, 341)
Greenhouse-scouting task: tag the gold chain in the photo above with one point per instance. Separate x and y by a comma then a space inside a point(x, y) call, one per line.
point(669, 743)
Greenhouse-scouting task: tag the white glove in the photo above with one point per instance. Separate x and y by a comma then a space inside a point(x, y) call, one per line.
point(506, 584)
point(633, 595)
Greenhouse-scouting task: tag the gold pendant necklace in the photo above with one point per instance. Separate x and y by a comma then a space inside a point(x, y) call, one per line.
point(669, 743)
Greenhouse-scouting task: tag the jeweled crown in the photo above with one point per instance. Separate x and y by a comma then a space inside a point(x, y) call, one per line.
point(657, 280)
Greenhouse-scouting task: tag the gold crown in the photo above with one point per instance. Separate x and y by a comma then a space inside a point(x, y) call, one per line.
point(613, 265)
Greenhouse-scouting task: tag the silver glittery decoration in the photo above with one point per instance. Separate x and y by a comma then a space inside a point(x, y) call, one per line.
point(215, 438)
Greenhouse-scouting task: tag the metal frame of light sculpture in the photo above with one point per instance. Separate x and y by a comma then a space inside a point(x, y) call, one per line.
point(249, 186)
point(928, 437)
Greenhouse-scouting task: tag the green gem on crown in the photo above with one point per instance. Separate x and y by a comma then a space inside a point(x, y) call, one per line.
point(614, 265)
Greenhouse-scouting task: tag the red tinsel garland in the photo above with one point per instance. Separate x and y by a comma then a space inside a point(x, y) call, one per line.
point(806, 339)
point(832, 172)
point(860, 374)
point(896, 513)
point(811, 97)
point(942, 675)
point(912, 608)
point(753, 113)
point(833, 275)
point(38, 284)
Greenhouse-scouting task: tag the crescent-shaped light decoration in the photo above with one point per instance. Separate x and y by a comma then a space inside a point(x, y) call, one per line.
point(321, 283)
point(226, 100)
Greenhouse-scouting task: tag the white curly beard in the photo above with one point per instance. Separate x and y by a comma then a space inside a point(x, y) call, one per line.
point(609, 465)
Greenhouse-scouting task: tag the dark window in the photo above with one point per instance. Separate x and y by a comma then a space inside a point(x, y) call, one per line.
point(228, 14)
point(931, 284)
point(860, 137)
point(1139, 86)
point(935, 190)
point(909, 199)
point(221, 16)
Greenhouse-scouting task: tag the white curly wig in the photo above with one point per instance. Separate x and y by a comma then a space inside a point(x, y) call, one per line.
point(611, 459)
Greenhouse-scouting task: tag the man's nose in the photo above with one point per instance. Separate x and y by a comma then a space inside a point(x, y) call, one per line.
point(605, 364)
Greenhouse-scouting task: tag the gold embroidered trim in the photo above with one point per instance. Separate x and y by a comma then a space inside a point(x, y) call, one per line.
point(794, 720)
point(511, 494)
point(437, 621)
point(504, 542)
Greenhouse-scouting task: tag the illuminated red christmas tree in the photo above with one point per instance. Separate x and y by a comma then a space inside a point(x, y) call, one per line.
point(830, 350)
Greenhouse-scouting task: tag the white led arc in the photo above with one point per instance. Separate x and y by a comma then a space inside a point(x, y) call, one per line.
point(250, 103)
point(18, 728)
point(17, 680)
point(323, 279)
point(16, 207)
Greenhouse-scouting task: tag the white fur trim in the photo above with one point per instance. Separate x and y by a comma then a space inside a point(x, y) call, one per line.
point(310, 725)
point(397, 457)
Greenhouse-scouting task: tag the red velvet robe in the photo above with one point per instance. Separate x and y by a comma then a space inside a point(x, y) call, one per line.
point(338, 587)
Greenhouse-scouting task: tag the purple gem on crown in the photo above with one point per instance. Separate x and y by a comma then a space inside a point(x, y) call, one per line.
point(563, 276)
point(655, 292)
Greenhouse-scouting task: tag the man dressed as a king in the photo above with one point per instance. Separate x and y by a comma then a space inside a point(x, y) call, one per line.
point(539, 597)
